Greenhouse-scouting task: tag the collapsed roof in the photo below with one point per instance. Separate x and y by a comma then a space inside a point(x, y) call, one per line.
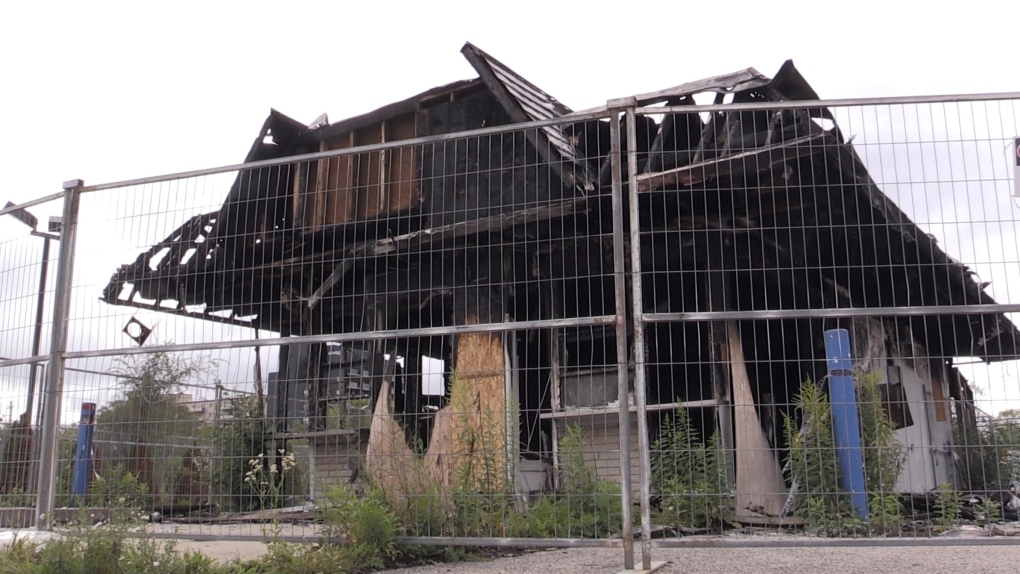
point(731, 180)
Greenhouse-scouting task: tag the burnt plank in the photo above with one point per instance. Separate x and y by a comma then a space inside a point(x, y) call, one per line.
point(760, 159)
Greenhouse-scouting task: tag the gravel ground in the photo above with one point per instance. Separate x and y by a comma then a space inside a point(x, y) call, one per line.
point(762, 558)
point(957, 559)
point(899, 560)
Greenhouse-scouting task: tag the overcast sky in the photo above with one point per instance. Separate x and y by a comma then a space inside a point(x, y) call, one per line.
point(108, 91)
point(105, 91)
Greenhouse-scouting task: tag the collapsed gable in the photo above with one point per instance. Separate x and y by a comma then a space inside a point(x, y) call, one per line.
point(785, 209)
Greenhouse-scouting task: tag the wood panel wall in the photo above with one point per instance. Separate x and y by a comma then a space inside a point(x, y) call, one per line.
point(361, 186)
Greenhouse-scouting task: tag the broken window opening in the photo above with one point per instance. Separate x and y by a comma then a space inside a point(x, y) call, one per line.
point(433, 377)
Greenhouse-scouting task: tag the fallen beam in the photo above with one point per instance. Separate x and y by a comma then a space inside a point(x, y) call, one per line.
point(756, 160)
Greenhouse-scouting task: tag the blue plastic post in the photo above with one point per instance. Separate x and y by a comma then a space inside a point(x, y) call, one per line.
point(83, 454)
point(845, 426)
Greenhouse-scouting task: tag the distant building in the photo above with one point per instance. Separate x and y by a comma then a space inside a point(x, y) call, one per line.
point(206, 409)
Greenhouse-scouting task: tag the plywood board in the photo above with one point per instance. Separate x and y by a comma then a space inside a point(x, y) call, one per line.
point(469, 438)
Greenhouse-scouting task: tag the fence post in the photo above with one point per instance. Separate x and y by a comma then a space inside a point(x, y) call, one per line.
point(54, 383)
point(637, 315)
point(845, 426)
point(623, 380)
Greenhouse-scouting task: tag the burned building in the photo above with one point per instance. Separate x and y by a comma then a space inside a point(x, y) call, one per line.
point(753, 210)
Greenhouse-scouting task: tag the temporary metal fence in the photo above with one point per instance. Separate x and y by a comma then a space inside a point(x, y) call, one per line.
point(646, 320)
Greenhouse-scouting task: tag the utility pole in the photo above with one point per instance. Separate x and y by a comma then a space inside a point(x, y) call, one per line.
point(219, 401)
point(54, 229)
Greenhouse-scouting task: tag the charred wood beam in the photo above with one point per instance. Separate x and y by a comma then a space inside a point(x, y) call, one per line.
point(411, 415)
point(718, 299)
point(756, 160)
point(494, 223)
point(334, 277)
point(202, 315)
point(388, 225)
point(678, 135)
point(423, 237)
point(406, 242)
point(645, 130)
point(178, 242)
point(727, 83)
point(416, 239)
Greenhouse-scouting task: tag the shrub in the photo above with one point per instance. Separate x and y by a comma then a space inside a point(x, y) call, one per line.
point(237, 441)
point(813, 469)
point(948, 505)
point(365, 524)
point(589, 506)
point(690, 476)
point(118, 488)
point(989, 453)
point(883, 456)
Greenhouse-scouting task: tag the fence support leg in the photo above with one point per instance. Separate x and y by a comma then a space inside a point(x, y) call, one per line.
point(50, 420)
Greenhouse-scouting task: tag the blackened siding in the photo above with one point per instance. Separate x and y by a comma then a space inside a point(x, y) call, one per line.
point(477, 177)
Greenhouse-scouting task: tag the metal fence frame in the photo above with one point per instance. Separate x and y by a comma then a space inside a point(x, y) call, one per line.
point(627, 284)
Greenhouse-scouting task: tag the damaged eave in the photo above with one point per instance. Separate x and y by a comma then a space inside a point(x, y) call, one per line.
point(992, 337)
point(388, 111)
point(753, 161)
point(415, 239)
point(727, 83)
point(526, 102)
point(425, 237)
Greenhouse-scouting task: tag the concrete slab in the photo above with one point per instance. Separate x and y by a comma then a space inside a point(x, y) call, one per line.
point(656, 566)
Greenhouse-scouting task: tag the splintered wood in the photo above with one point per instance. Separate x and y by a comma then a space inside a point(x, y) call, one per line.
point(760, 486)
point(468, 448)
point(388, 459)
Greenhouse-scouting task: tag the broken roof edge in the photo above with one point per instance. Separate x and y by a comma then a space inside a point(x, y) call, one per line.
point(788, 82)
point(733, 82)
point(475, 56)
point(399, 108)
point(275, 119)
point(411, 103)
